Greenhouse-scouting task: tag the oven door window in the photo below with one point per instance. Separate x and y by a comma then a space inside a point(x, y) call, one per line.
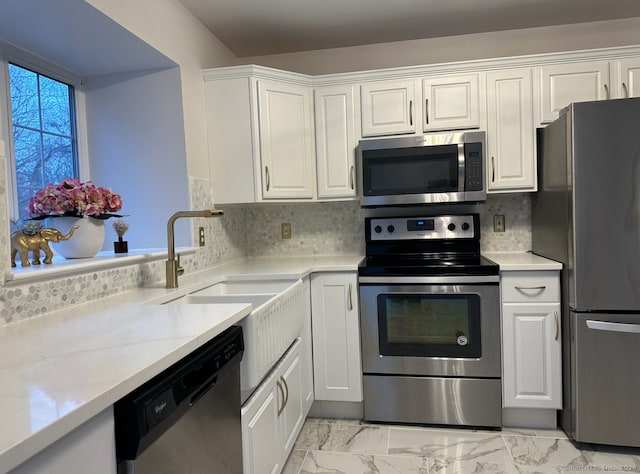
point(429, 325)
point(416, 170)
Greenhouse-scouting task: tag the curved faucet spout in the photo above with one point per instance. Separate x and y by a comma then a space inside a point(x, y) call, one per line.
point(173, 268)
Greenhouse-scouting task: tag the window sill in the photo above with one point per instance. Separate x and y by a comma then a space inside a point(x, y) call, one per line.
point(104, 260)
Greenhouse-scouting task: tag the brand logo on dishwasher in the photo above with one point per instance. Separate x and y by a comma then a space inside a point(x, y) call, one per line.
point(160, 408)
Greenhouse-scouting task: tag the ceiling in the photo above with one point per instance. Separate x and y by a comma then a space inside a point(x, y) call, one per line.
point(259, 27)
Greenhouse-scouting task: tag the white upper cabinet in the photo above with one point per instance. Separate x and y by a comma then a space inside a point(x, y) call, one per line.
point(261, 135)
point(629, 74)
point(388, 107)
point(562, 84)
point(336, 140)
point(511, 160)
point(286, 140)
point(451, 102)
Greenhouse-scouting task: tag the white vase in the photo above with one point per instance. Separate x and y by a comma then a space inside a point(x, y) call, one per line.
point(85, 242)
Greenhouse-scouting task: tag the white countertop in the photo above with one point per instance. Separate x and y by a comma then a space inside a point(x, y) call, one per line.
point(59, 370)
point(522, 261)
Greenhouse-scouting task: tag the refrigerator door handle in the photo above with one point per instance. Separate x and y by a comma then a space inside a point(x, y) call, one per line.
point(613, 327)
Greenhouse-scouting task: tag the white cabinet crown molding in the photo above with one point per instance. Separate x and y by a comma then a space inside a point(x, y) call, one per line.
point(257, 72)
point(473, 65)
point(477, 65)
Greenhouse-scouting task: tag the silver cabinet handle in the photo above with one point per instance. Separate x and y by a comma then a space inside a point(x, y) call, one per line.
point(351, 171)
point(411, 113)
point(541, 287)
point(626, 90)
point(557, 318)
point(286, 398)
point(426, 110)
point(350, 302)
point(281, 409)
point(606, 91)
point(613, 327)
point(493, 169)
point(266, 170)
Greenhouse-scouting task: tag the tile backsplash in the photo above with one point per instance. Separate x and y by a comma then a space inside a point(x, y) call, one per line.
point(338, 227)
point(327, 228)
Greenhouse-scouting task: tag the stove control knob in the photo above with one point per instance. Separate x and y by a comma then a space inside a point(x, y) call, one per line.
point(465, 226)
point(377, 229)
point(391, 229)
point(451, 227)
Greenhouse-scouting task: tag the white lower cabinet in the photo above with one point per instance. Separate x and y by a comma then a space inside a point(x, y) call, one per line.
point(337, 366)
point(272, 418)
point(531, 340)
point(89, 448)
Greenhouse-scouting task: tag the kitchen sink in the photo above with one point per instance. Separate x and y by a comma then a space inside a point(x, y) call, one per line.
point(277, 319)
point(245, 287)
point(256, 300)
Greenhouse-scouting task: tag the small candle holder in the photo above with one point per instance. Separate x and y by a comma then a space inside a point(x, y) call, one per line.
point(121, 246)
point(120, 226)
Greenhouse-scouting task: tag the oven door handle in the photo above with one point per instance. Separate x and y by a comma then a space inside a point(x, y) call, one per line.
point(433, 280)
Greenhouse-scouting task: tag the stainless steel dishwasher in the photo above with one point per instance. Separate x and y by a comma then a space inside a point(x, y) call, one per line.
point(186, 419)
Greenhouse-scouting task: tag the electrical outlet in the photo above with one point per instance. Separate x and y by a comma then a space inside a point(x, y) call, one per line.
point(498, 223)
point(201, 236)
point(285, 229)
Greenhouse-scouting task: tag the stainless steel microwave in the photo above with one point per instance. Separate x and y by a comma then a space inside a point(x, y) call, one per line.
point(427, 169)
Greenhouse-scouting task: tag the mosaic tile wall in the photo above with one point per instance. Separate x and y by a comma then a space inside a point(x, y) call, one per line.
point(326, 228)
point(338, 228)
point(226, 239)
point(517, 211)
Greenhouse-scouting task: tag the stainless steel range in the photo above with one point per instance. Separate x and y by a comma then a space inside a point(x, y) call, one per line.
point(430, 323)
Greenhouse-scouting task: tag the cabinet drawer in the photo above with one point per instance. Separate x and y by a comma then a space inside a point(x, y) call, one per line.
point(530, 286)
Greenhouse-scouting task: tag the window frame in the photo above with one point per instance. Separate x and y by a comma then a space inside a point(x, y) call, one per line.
point(11, 54)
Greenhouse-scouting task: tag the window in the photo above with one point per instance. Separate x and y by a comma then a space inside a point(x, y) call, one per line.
point(44, 133)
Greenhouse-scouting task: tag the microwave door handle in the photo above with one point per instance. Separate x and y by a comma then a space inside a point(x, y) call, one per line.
point(461, 167)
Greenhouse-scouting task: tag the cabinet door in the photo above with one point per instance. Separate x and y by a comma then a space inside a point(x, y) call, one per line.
point(388, 108)
point(532, 375)
point(335, 141)
point(563, 84)
point(511, 159)
point(629, 78)
point(337, 364)
point(306, 354)
point(261, 445)
point(291, 414)
point(286, 140)
point(451, 102)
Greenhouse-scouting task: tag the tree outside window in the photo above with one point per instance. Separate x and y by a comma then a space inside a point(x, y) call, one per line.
point(44, 137)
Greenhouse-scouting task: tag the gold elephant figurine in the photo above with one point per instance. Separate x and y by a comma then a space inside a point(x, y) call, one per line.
point(24, 243)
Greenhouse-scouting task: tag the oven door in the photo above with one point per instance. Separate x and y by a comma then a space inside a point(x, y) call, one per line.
point(433, 326)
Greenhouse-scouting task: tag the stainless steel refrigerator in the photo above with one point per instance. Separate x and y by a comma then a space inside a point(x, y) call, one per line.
point(586, 215)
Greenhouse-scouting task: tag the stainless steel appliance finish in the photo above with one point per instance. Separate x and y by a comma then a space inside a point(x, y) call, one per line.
point(486, 364)
point(430, 323)
point(186, 419)
point(432, 168)
point(587, 216)
point(434, 400)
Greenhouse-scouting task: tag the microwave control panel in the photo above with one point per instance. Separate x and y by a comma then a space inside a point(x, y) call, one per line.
point(473, 167)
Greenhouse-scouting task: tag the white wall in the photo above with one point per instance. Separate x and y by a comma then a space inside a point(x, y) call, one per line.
point(457, 48)
point(171, 29)
point(137, 148)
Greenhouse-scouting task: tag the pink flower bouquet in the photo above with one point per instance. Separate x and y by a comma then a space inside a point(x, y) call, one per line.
point(75, 199)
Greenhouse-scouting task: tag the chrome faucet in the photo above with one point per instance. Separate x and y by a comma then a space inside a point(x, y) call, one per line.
point(173, 264)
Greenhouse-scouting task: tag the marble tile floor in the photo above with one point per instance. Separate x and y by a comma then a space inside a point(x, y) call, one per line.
point(331, 446)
